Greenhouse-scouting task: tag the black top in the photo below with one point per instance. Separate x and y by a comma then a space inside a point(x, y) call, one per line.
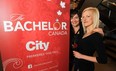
point(88, 46)
point(74, 38)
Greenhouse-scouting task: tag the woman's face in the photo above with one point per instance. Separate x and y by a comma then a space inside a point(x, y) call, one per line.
point(87, 18)
point(75, 20)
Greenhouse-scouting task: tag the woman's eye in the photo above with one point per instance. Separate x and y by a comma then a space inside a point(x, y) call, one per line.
point(76, 17)
point(88, 16)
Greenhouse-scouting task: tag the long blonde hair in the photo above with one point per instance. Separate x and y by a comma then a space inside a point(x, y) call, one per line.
point(95, 17)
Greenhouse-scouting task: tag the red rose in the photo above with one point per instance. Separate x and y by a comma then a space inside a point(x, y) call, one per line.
point(75, 45)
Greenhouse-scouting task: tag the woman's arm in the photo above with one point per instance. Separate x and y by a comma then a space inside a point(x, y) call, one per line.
point(85, 57)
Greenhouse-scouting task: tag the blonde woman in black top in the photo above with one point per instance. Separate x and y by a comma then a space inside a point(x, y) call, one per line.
point(91, 41)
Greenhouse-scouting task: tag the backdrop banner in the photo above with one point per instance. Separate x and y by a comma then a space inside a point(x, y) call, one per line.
point(34, 35)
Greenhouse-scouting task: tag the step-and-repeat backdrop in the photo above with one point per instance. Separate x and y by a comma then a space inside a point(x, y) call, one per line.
point(34, 35)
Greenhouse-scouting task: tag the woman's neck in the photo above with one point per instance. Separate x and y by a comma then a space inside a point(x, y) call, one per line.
point(89, 29)
point(76, 28)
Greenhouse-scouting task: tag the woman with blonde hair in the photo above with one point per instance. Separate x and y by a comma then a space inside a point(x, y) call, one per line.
point(91, 42)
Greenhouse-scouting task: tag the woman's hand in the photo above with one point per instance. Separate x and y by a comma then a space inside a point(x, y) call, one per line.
point(77, 54)
point(85, 57)
point(99, 30)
